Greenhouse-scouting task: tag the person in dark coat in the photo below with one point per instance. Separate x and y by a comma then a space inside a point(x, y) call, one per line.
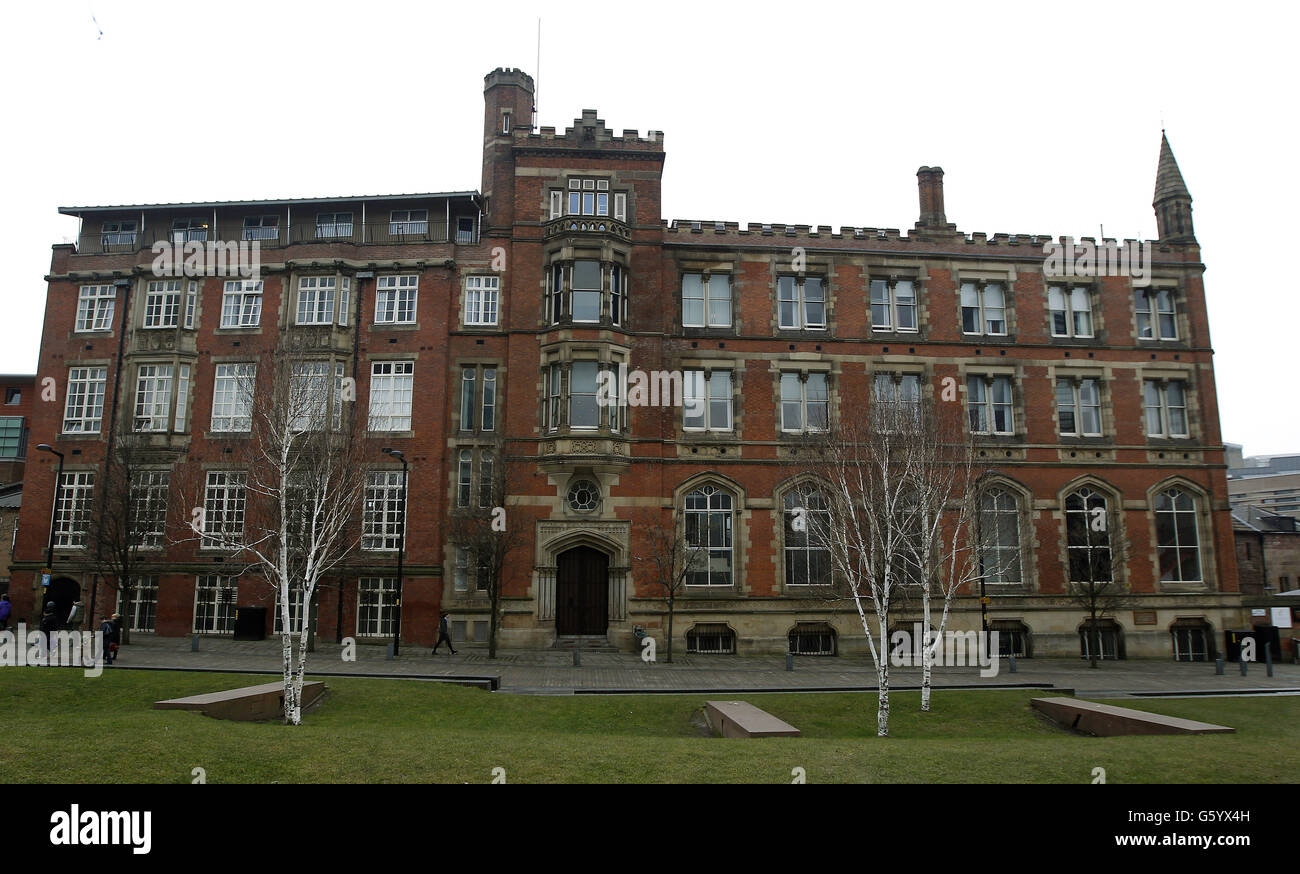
point(110, 648)
point(444, 633)
point(49, 625)
point(5, 610)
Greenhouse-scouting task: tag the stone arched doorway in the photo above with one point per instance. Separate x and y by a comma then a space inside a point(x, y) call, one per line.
point(64, 592)
point(582, 592)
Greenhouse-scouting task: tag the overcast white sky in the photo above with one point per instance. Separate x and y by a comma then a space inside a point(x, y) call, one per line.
point(1045, 118)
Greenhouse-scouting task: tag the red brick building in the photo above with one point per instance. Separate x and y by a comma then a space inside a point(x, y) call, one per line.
point(1084, 392)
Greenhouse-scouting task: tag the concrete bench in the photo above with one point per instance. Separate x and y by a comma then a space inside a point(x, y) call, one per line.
point(1106, 720)
point(739, 719)
point(248, 704)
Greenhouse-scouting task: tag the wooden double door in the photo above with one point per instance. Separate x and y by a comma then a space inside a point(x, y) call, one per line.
point(582, 591)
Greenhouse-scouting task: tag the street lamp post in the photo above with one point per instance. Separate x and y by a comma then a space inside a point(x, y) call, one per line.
point(54, 511)
point(401, 549)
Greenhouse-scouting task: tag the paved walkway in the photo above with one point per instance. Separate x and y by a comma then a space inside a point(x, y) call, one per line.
point(553, 671)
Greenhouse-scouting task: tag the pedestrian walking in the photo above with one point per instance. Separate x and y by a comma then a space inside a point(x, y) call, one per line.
point(110, 648)
point(444, 633)
point(5, 609)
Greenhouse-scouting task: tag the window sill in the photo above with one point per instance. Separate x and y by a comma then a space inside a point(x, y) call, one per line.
point(238, 329)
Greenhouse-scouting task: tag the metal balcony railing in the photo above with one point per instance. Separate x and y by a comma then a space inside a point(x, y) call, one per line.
point(371, 233)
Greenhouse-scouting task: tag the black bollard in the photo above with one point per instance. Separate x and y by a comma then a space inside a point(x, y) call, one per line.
point(389, 655)
point(1218, 667)
point(1011, 663)
point(1243, 665)
point(1268, 657)
point(194, 643)
point(789, 661)
point(577, 657)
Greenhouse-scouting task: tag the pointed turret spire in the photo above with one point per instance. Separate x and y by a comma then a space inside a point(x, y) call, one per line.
point(1173, 202)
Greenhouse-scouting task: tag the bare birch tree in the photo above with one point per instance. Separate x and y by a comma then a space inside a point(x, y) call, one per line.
point(484, 529)
point(866, 468)
point(303, 468)
point(131, 516)
point(1090, 547)
point(669, 557)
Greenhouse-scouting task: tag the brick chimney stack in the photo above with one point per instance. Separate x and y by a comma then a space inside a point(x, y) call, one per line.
point(929, 181)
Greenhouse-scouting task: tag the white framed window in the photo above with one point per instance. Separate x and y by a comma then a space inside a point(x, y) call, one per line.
point(706, 400)
point(395, 299)
point(1157, 318)
point(232, 397)
point(241, 303)
point(805, 402)
point(893, 305)
point(989, 402)
point(384, 512)
point(589, 197)
point(316, 299)
point(1078, 407)
point(807, 560)
point(262, 227)
point(191, 305)
point(95, 308)
point(620, 206)
point(149, 491)
point(392, 386)
point(801, 303)
point(706, 300)
point(316, 389)
point(586, 283)
point(999, 536)
point(897, 388)
point(376, 606)
point(708, 519)
point(214, 604)
point(617, 294)
point(983, 308)
point(1165, 403)
point(482, 295)
point(469, 398)
point(84, 410)
point(121, 233)
point(1177, 542)
point(189, 230)
point(223, 508)
point(1070, 309)
point(182, 397)
point(162, 303)
point(584, 411)
point(557, 203)
point(72, 511)
point(1087, 538)
point(144, 604)
point(345, 299)
point(333, 224)
point(153, 397)
point(408, 221)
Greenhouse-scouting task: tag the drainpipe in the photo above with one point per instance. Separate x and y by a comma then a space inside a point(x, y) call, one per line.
point(125, 285)
point(360, 278)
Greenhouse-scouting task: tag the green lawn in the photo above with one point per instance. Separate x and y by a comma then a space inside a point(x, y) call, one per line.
point(59, 726)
